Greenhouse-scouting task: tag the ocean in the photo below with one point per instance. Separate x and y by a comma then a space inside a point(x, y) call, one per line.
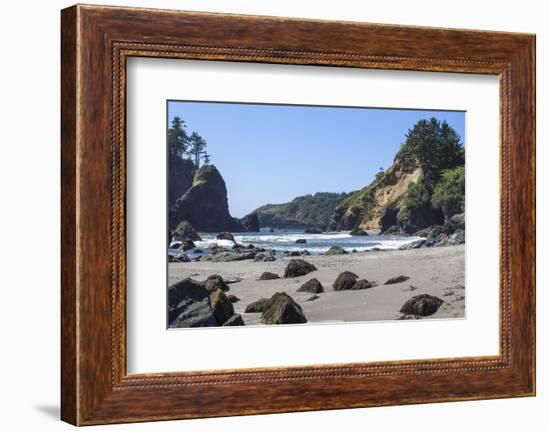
point(285, 240)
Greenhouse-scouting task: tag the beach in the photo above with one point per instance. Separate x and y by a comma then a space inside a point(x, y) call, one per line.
point(437, 271)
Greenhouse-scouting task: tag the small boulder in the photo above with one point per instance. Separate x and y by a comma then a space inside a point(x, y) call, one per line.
point(301, 241)
point(189, 305)
point(187, 245)
point(268, 276)
point(334, 250)
point(226, 236)
point(312, 286)
point(458, 221)
point(221, 306)
point(256, 306)
point(260, 257)
point(363, 284)
point(233, 298)
point(295, 253)
point(298, 267)
point(421, 305)
point(214, 282)
point(358, 231)
point(312, 298)
point(412, 245)
point(184, 230)
point(345, 281)
point(235, 320)
point(282, 309)
point(397, 279)
point(305, 253)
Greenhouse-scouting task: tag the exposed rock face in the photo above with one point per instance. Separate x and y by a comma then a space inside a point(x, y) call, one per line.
point(235, 320)
point(256, 306)
point(251, 223)
point(180, 178)
point(184, 231)
point(334, 250)
point(345, 281)
point(221, 306)
point(421, 305)
point(204, 205)
point(397, 279)
point(189, 305)
point(358, 231)
point(298, 267)
point(313, 286)
point(282, 309)
point(363, 284)
point(268, 276)
point(215, 282)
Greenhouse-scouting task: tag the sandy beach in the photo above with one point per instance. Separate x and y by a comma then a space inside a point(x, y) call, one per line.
point(436, 271)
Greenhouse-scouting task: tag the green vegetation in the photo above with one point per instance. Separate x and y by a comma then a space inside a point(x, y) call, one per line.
point(183, 146)
point(303, 211)
point(449, 192)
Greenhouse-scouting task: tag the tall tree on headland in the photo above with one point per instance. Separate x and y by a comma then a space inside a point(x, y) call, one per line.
point(178, 140)
point(196, 150)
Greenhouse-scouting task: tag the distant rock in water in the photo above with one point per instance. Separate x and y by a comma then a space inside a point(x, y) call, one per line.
point(397, 279)
point(250, 222)
point(301, 241)
point(189, 305)
point(184, 231)
point(345, 281)
point(421, 305)
point(298, 267)
point(334, 250)
point(205, 205)
point(228, 236)
point(359, 232)
point(312, 286)
point(281, 309)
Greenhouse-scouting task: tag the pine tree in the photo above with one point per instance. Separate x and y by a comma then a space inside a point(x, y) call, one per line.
point(197, 146)
point(178, 140)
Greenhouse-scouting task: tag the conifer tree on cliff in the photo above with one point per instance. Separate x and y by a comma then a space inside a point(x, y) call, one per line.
point(178, 140)
point(196, 150)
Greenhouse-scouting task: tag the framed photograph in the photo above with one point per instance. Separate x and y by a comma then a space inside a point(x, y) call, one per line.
point(323, 214)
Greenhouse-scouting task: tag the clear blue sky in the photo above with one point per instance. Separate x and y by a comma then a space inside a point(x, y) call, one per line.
point(274, 153)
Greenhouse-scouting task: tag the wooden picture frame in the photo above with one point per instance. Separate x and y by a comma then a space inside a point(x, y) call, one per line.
point(95, 42)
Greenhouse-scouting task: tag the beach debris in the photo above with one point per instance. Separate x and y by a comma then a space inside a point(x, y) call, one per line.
point(421, 305)
point(189, 305)
point(397, 279)
point(345, 281)
point(312, 286)
point(312, 298)
point(214, 282)
point(233, 298)
point(235, 320)
point(334, 250)
point(269, 276)
point(301, 241)
point(313, 231)
point(228, 236)
point(221, 306)
point(256, 306)
point(363, 284)
point(358, 231)
point(298, 267)
point(280, 309)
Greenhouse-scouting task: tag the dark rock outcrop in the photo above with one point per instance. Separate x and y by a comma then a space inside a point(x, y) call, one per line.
point(221, 306)
point(421, 305)
point(233, 298)
point(363, 284)
point(297, 268)
point(334, 250)
point(228, 236)
point(189, 305)
point(187, 245)
point(235, 320)
point(250, 222)
point(397, 279)
point(282, 309)
point(358, 231)
point(312, 286)
point(345, 281)
point(268, 276)
point(205, 205)
point(180, 178)
point(301, 241)
point(412, 245)
point(256, 306)
point(214, 282)
point(184, 231)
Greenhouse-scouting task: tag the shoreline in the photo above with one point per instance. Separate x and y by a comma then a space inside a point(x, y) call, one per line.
point(436, 271)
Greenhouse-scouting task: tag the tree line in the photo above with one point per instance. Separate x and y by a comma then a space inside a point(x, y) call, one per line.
point(184, 146)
